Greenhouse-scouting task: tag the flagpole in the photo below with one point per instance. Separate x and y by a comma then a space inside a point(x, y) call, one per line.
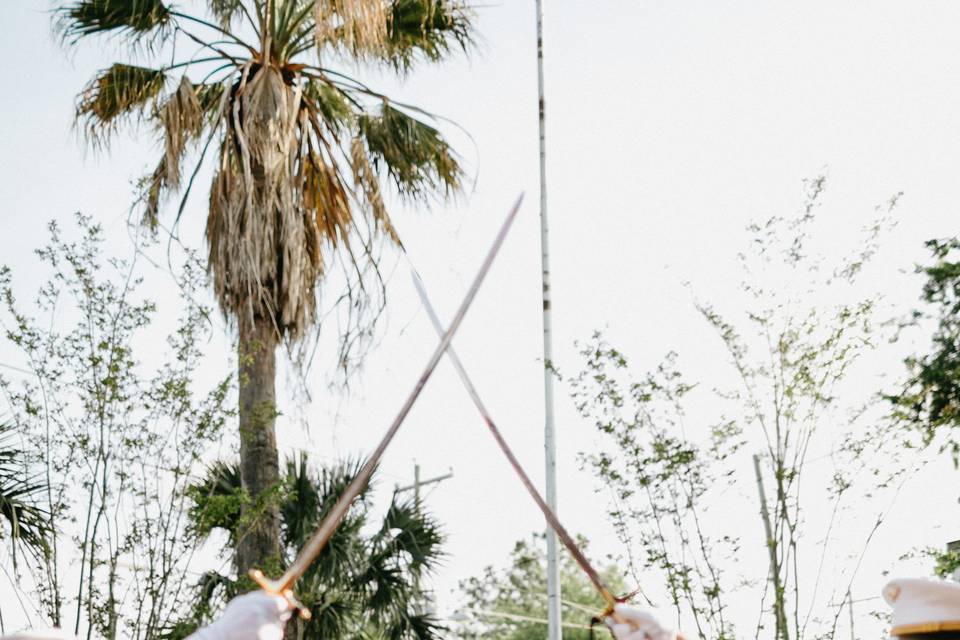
point(554, 628)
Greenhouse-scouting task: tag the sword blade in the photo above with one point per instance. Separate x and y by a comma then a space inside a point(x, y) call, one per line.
point(315, 545)
point(548, 513)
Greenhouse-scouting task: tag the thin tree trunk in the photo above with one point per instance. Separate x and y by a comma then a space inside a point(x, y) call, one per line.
point(258, 544)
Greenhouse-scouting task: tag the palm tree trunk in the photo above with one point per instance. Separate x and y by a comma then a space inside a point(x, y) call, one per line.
point(258, 544)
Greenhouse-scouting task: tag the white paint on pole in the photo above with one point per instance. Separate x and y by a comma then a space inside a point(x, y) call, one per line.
point(554, 625)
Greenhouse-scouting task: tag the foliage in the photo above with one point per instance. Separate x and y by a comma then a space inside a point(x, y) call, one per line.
point(930, 399)
point(27, 525)
point(113, 442)
point(660, 480)
point(510, 603)
point(946, 562)
point(366, 582)
point(301, 147)
point(803, 325)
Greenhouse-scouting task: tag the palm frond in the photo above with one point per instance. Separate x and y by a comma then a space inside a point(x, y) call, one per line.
point(330, 103)
point(294, 28)
point(414, 154)
point(299, 510)
point(430, 29)
point(226, 11)
point(118, 92)
point(414, 538)
point(418, 626)
point(217, 500)
point(137, 18)
point(333, 613)
point(340, 555)
point(210, 96)
point(367, 183)
point(180, 119)
point(151, 189)
point(275, 203)
point(27, 524)
point(356, 26)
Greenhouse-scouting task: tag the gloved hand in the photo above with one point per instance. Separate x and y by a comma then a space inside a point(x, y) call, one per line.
point(637, 624)
point(253, 616)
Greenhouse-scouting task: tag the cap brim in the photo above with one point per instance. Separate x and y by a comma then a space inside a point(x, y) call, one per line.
point(925, 627)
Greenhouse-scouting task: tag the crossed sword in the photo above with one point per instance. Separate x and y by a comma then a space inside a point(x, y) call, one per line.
point(284, 585)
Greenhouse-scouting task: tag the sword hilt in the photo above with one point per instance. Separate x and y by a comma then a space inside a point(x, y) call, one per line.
point(273, 588)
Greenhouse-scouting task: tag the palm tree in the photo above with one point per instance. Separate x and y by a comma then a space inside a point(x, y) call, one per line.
point(364, 584)
point(300, 150)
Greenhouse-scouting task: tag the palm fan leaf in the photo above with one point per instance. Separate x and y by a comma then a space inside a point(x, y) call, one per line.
point(121, 91)
point(89, 17)
point(414, 154)
point(216, 500)
point(27, 524)
point(226, 11)
point(428, 28)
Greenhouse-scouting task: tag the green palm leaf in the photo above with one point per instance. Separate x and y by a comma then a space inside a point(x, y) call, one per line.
point(132, 17)
point(414, 154)
point(27, 524)
point(121, 91)
point(428, 29)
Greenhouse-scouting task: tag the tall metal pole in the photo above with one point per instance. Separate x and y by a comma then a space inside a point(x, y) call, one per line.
point(416, 487)
point(554, 628)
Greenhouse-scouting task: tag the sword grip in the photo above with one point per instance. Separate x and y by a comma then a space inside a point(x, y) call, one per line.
point(269, 586)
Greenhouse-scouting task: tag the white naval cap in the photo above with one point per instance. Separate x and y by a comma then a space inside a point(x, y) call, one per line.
point(922, 605)
point(43, 634)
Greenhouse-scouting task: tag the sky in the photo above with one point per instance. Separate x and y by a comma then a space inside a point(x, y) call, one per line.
point(671, 125)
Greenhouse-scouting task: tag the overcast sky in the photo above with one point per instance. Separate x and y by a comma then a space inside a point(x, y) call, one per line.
point(671, 125)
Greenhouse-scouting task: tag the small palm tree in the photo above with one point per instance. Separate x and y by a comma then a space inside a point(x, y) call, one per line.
point(364, 584)
point(301, 152)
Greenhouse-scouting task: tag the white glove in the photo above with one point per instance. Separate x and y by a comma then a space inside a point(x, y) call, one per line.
point(637, 624)
point(253, 616)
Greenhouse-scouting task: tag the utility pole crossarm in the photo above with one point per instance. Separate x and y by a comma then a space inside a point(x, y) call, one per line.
point(423, 483)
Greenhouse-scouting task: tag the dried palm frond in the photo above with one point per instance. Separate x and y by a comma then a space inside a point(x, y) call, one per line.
point(209, 96)
point(366, 180)
point(357, 26)
point(412, 153)
point(326, 198)
point(121, 91)
point(180, 119)
point(151, 188)
point(264, 243)
point(133, 17)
